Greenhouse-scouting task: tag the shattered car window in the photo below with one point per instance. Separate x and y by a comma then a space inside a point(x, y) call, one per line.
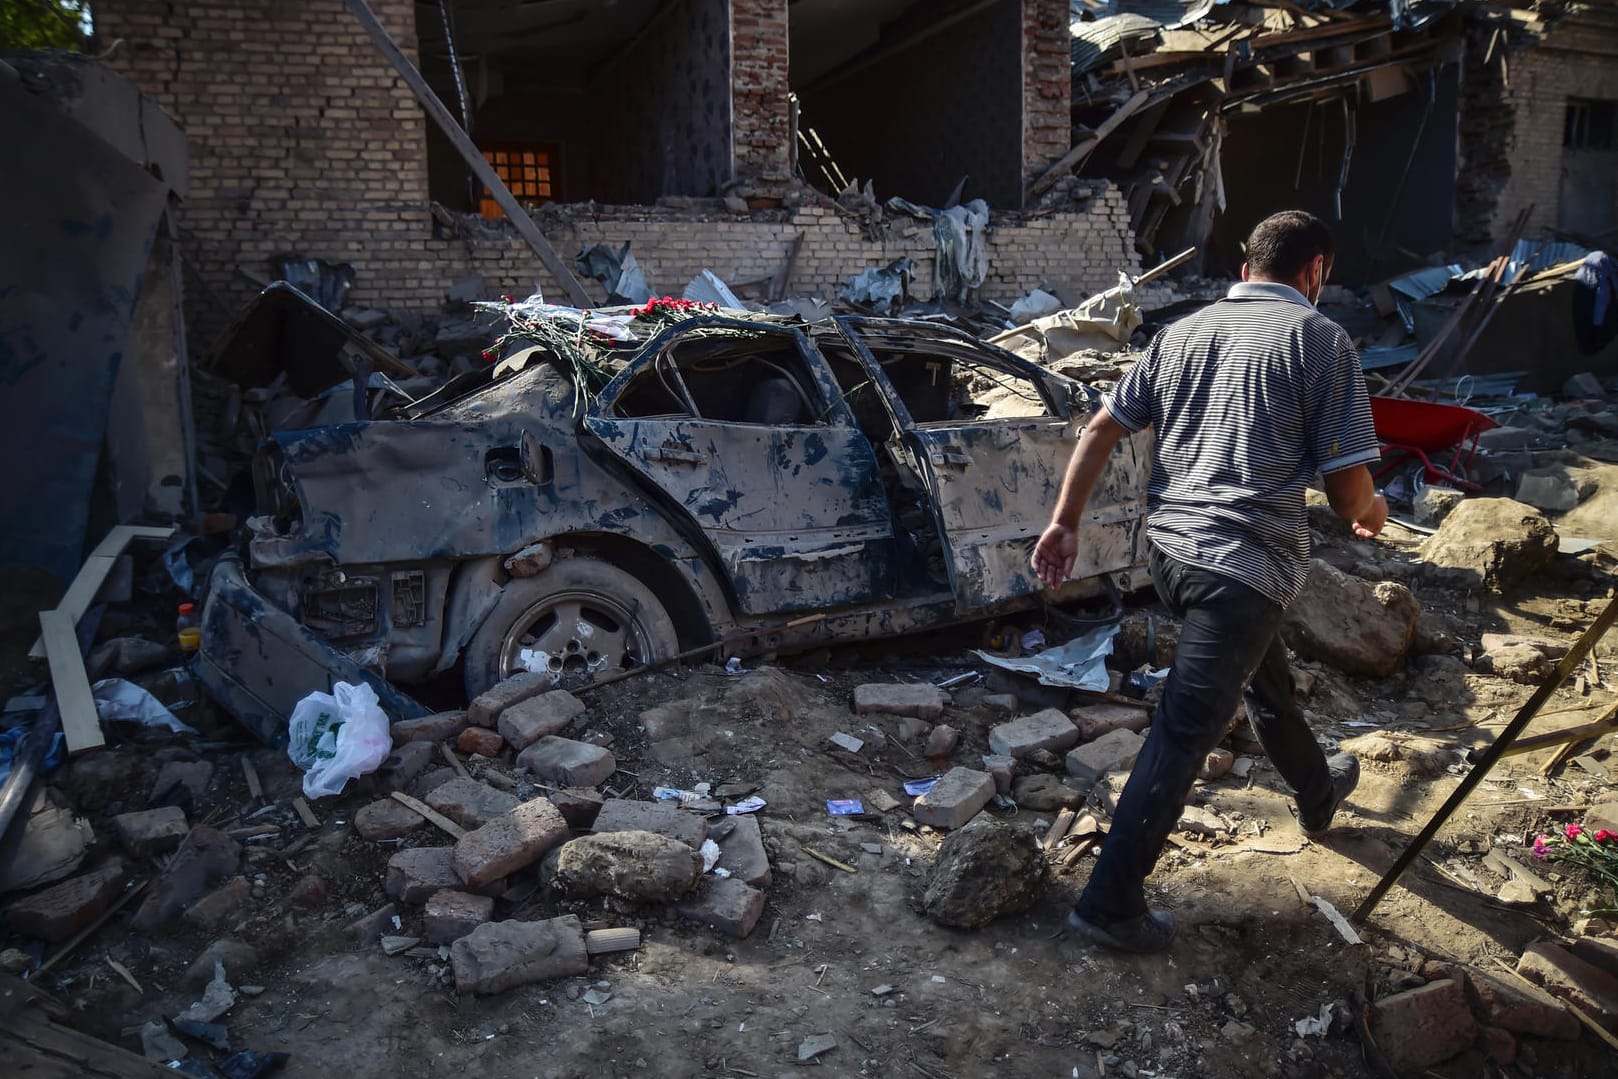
point(938, 385)
point(729, 377)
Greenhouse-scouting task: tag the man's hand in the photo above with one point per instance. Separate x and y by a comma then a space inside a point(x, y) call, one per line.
point(1054, 554)
point(1370, 523)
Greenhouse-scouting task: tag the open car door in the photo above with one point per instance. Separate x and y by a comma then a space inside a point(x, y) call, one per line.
point(737, 431)
point(991, 434)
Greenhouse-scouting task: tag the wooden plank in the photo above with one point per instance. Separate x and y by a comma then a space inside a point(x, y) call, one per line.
point(82, 935)
point(255, 788)
point(453, 761)
point(471, 154)
point(1064, 821)
point(305, 814)
point(81, 727)
point(1066, 162)
point(430, 813)
point(82, 592)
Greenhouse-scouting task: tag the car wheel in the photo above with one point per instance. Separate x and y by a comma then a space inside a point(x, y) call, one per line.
point(581, 619)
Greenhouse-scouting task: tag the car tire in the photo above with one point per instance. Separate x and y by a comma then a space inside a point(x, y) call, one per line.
point(617, 623)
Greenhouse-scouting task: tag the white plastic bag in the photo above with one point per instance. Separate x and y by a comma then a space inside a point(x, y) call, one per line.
point(335, 737)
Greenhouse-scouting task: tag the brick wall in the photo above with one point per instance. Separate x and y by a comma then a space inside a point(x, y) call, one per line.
point(304, 140)
point(761, 120)
point(1578, 58)
point(1047, 117)
point(1082, 251)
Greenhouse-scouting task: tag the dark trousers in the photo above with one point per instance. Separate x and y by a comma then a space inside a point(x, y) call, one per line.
point(1229, 636)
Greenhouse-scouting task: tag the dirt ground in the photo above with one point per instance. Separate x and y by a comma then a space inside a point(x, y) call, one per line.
point(848, 954)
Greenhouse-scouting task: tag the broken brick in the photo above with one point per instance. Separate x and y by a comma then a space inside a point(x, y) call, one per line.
point(1422, 1027)
point(386, 819)
point(1095, 720)
point(742, 853)
point(728, 905)
point(218, 906)
point(954, 799)
point(151, 831)
point(1523, 1009)
point(63, 909)
point(578, 805)
point(418, 872)
point(922, 701)
point(508, 843)
point(480, 741)
point(1049, 729)
point(497, 956)
point(941, 741)
point(487, 706)
point(1567, 976)
point(568, 763)
point(405, 763)
point(664, 818)
point(527, 721)
point(1114, 750)
point(450, 915)
point(1217, 764)
point(469, 803)
point(434, 728)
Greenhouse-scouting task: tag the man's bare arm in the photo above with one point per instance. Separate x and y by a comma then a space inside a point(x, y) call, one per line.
point(1058, 547)
point(1353, 497)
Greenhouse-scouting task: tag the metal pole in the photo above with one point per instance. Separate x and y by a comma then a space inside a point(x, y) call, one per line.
point(1564, 671)
point(468, 150)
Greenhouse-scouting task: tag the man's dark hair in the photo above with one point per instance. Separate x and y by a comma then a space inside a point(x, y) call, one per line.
point(1282, 245)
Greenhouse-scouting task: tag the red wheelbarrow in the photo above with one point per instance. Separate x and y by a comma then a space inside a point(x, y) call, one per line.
point(1419, 429)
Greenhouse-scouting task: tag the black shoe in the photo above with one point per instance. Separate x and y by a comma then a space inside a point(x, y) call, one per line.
point(1345, 776)
point(1149, 932)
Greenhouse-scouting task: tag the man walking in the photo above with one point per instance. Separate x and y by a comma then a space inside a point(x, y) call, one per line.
point(1249, 398)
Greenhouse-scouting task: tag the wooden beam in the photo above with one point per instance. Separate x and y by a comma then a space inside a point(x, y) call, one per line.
point(471, 154)
point(1078, 153)
point(81, 727)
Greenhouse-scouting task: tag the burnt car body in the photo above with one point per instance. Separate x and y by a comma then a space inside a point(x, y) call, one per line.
point(758, 482)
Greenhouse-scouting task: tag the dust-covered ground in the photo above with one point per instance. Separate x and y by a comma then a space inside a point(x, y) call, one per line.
point(848, 954)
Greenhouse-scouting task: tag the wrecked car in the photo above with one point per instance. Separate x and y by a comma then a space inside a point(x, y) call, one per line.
point(613, 493)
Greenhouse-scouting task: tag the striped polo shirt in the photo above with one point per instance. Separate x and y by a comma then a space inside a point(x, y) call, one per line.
point(1249, 398)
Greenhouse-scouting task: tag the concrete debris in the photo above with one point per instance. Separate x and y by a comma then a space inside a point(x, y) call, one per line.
point(1521, 663)
point(815, 1045)
point(635, 867)
point(220, 905)
point(741, 850)
point(1432, 504)
point(1565, 975)
point(1043, 793)
point(1217, 764)
point(497, 956)
point(415, 874)
point(984, 870)
point(1358, 627)
point(1493, 542)
point(217, 998)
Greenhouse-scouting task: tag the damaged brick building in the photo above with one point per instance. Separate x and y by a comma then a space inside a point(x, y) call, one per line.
point(305, 140)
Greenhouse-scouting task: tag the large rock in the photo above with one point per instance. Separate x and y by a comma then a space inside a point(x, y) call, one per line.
point(1422, 1027)
point(636, 867)
point(496, 956)
point(1495, 542)
point(984, 870)
point(1356, 626)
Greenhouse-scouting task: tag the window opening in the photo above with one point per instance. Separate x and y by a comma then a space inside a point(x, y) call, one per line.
point(527, 169)
point(1590, 124)
point(727, 377)
point(938, 387)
